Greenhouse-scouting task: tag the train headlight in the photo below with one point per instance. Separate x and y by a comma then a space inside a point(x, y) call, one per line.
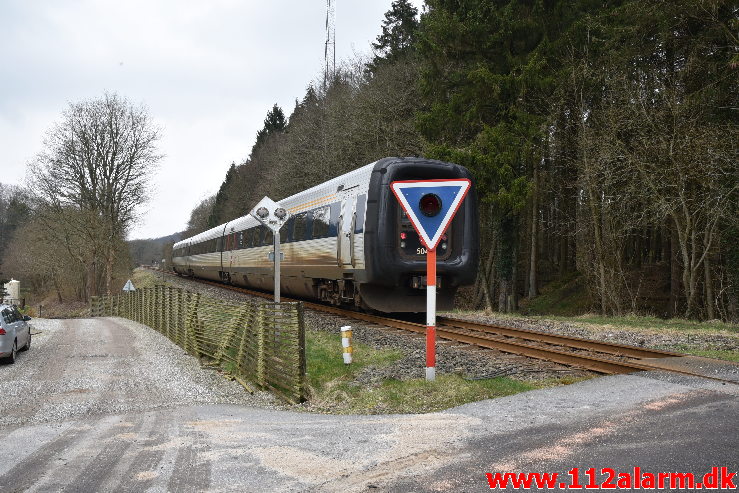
point(402, 244)
point(262, 212)
point(430, 205)
point(280, 213)
point(443, 246)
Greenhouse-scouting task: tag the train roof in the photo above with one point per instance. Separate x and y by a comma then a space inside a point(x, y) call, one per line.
point(289, 203)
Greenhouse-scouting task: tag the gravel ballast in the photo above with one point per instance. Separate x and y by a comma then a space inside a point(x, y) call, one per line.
point(665, 339)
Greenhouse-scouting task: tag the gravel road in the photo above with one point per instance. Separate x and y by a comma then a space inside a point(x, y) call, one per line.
point(88, 367)
point(109, 405)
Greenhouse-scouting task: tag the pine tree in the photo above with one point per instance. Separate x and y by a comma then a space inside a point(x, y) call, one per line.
point(273, 123)
point(398, 36)
point(222, 198)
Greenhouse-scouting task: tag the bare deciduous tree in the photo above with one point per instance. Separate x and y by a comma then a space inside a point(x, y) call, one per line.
point(93, 174)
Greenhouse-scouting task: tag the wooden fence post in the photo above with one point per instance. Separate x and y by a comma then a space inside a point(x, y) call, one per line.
point(302, 365)
point(261, 346)
point(180, 319)
point(228, 334)
point(246, 330)
point(190, 341)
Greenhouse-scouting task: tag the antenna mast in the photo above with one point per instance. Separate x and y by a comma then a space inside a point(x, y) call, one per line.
point(329, 51)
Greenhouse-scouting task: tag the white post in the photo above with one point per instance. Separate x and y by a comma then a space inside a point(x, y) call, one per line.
point(431, 315)
point(276, 235)
point(346, 342)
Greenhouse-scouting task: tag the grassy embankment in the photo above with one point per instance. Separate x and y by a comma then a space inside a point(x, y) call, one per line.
point(334, 387)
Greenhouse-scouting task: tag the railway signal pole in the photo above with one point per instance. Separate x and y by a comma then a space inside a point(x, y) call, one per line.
point(431, 206)
point(271, 214)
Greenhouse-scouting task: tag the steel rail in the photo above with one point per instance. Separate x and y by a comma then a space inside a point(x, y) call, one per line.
point(453, 329)
point(569, 341)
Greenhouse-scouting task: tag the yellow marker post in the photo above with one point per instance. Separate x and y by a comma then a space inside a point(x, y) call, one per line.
point(346, 342)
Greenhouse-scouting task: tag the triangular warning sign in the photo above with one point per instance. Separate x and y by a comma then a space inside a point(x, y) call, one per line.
point(431, 205)
point(129, 286)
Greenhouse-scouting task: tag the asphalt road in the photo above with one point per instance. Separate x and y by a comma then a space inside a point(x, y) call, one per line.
point(106, 405)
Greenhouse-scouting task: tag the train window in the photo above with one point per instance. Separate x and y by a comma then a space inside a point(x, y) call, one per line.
point(333, 229)
point(361, 205)
point(299, 228)
point(321, 218)
point(268, 236)
point(252, 237)
point(286, 232)
point(308, 225)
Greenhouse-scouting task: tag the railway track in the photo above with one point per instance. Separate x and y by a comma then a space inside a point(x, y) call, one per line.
point(598, 356)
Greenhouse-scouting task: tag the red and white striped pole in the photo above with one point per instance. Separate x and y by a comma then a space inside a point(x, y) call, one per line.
point(431, 315)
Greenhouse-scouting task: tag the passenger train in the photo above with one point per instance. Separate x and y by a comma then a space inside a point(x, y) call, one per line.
point(347, 242)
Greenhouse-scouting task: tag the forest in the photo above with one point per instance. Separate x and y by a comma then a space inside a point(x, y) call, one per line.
point(602, 136)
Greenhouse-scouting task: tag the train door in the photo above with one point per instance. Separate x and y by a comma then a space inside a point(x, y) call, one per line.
point(346, 228)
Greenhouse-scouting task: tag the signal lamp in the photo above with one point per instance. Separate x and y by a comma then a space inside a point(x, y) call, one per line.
point(262, 212)
point(280, 213)
point(403, 236)
point(430, 205)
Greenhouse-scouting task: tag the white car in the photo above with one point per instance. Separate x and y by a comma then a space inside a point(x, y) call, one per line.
point(15, 333)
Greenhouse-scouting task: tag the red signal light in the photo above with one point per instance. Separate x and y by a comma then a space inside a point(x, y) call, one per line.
point(2, 332)
point(403, 236)
point(430, 205)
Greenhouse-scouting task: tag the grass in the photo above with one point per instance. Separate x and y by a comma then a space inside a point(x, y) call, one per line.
point(419, 396)
point(333, 387)
point(564, 297)
point(654, 323)
point(708, 352)
point(144, 278)
point(629, 322)
point(326, 366)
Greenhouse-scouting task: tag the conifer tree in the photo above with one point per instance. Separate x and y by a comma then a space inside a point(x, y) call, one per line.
point(273, 123)
point(398, 36)
point(222, 198)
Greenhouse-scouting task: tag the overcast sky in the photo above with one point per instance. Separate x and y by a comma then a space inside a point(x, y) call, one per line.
point(208, 71)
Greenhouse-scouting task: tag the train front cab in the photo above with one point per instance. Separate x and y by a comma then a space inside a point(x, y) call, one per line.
point(394, 257)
